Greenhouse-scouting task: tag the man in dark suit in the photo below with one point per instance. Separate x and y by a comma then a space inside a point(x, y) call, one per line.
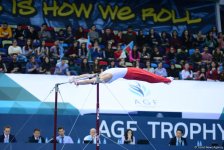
point(36, 138)
point(6, 137)
point(178, 140)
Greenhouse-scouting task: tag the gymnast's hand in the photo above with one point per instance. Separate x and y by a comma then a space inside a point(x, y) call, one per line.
point(73, 80)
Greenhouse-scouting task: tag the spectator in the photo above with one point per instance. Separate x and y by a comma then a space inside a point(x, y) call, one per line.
point(212, 72)
point(129, 36)
point(69, 35)
point(80, 33)
point(62, 138)
point(73, 68)
point(122, 63)
point(181, 56)
point(44, 34)
point(31, 33)
point(178, 140)
point(3, 68)
point(5, 31)
point(96, 67)
point(214, 32)
point(187, 40)
point(199, 40)
point(45, 67)
point(7, 137)
point(145, 53)
point(91, 138)
point(153, 38)
point(19, 33)
point(62, 68)
point(128, 137)
point(175, 40)
point(134, 55)
point(83, 53)
point(108, 36)
point(14, 48)
point(196, 57)
point(112, 64)
point(173, 72)
point(14, 65)
point(210, 41)
point(156, 55)
point(201, 74)
point(165, 41)
point(93, 34)
point(148, 67)
point(141, 39)
point(36, 137)
point(28, 49)
point(186, 73)
point(171, 55)
point(55, 50)
point(119, 38)
point(73, 51)
point(220, 41)
point(42, 51)
point(61, 35)
point(118, 53)
point(218, 55)
point(160, 70)
point(109, 52)
point(206, 56)
point(32, 66)
point(85, 68)
point(97, 53)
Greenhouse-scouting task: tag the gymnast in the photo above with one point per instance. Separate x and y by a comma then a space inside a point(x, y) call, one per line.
point(113, 74)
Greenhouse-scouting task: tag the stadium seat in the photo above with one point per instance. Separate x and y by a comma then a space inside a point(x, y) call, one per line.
point(191, 51)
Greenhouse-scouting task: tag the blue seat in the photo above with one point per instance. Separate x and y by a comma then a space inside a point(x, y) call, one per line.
point(191, 51)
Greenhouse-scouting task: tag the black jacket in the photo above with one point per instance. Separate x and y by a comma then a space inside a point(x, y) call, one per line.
point(174, 140)
point(32, 140)
point(12, 138)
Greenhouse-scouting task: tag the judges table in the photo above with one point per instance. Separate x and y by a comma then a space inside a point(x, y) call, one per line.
point(26, 146)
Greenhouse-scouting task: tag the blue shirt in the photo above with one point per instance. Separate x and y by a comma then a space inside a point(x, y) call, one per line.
point(65, 139)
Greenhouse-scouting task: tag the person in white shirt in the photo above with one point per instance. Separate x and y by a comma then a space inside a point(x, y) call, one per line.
point(128, 137)
point(148, 67)
point(186, 73)
point(91, 138)
point(15, 49)
point(62, 138)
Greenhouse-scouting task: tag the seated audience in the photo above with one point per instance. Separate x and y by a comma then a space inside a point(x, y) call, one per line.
point(91, 138)
point(36, 137)
point(5, 31)
point(32, 67)
point(62, 138)
point(62, 68)
point(160, 70)
point(186, 73)
point(14, 65)
point(7, 137)
point(178, 140)
point(128, 137)
point(3, 68)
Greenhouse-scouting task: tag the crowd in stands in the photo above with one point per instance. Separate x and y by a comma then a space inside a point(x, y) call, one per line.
point(65, 51)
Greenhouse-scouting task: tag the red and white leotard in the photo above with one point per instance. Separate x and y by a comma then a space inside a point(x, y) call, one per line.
point(135, 74)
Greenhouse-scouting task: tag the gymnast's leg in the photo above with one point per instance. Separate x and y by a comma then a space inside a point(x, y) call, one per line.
point(142, 75)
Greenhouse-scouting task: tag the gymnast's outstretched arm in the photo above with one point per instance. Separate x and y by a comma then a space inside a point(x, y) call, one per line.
point(103, 78)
